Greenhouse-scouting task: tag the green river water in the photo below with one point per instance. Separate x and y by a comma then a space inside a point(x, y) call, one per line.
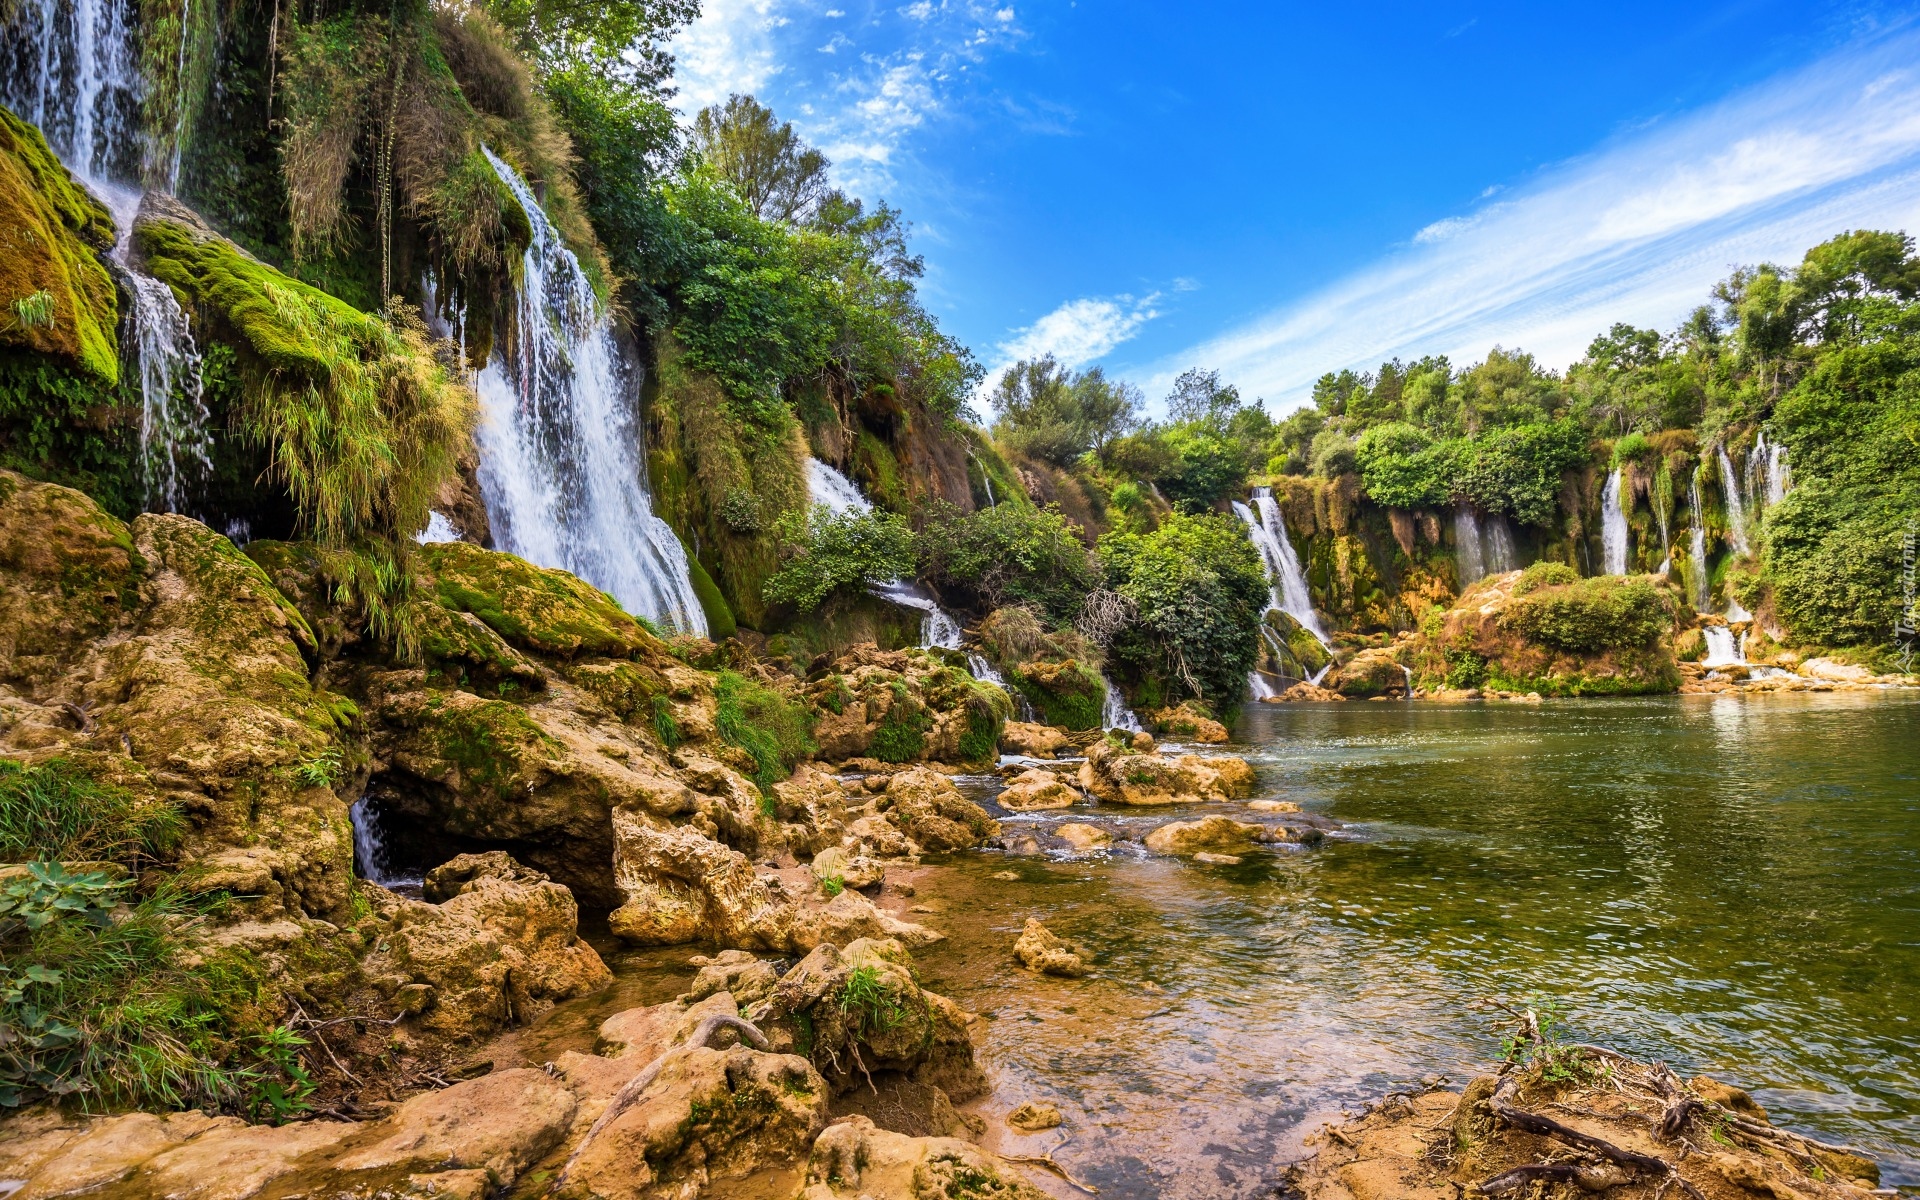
point(1731, 884)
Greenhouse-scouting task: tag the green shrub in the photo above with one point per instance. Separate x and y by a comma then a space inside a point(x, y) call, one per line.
point(1010, 554)
point(1603, 613)
point(1544, 574)
point(902, 733)
point(775, 731)
point(56, 811)
point(1068, 694)
point(831, 555)
point(1198, 589)
point(103, 1008)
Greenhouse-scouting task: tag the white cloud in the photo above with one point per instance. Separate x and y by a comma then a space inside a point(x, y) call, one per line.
point(1077, 333)
point(728, 49)
point(1638, 231)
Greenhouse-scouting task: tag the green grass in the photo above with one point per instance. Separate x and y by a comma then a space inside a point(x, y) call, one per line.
point(57, 811)
point(775, 731)
point(867, 1000)
point(34, 312)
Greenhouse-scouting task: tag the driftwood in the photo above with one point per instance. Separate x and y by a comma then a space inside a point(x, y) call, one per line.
point(1048, 1162)
point(633, 1088)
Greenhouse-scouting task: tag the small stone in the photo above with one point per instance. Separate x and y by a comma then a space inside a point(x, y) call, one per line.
point(1006, 876)
point(1039, 949)
point(1274, 806)
point(1221, 860)
point(1084, 837)
point(1032, 1118)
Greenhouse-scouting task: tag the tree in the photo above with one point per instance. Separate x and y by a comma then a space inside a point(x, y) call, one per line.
point(1198, 591)
point(1047, 411)
point(1199, 395)
point(831, 556)
point(621, 40)
point(779, 176)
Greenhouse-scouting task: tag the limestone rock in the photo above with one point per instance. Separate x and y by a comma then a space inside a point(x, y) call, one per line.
point(856, 1160)
point(903, 706)
point(647, 1032)
point(1273, 806)
point(1036, 790)
point(1208, 833)
point(709, 1115)
point(926, 807)
point(1189, 722)
point(1119, 775)
point(736, 972)
point(1039, 949)
point(1217, 860)
point(1032, 739)
point(500, 1123)
point(861, 1007)
point(1084, 837)
point(857, 871)
point(1032, 1117)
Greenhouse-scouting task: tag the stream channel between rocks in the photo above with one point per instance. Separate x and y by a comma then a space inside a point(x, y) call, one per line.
point(1731, 884)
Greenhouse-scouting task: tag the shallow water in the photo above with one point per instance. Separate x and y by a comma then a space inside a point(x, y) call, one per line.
point(1728, 883)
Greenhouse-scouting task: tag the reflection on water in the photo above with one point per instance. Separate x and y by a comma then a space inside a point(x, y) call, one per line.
point(1731, 884)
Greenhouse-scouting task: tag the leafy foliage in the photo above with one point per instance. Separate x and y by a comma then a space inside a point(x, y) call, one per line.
point(1587, 615)
point(1010, 554)
point(837, 555)
point(1198, 588)
point(1051, 413)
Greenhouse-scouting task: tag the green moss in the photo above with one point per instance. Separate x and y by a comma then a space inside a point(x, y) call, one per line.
point(720, 622)
point(533, 608)
point(902, 733)
point(50, 230)
point(487, 741)
point(775, 731)
point(873, 462)
point(1066, 694)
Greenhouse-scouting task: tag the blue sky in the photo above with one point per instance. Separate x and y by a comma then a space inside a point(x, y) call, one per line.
point(1283, 189)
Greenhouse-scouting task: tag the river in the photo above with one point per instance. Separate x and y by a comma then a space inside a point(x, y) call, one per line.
point(1728, 883)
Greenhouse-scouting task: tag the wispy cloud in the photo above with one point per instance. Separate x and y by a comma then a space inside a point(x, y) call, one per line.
point(1078, 332)
point(859, 90)
point(1637, 231)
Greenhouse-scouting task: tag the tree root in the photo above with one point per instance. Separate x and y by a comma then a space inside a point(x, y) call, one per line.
point(1589, 1178)
point(1048, 1162)
point(633, 1088)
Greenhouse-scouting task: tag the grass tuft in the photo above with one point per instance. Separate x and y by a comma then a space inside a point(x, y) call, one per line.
point(57, 811)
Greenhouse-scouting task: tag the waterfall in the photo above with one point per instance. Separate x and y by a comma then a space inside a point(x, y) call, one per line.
point(73, 69)
point(1778, 479)
point(937, 626)
point(1613, 527)
point(1466, 546)
point(1286, 582)
point(1766, 474)
point(371, 856)
point(1258, 686)
point(1736, 507)
point(438, 529)
point(1114, 713)
point(1496, 545)
point(1697, 547)
point(561, 464)
point(1721, 650)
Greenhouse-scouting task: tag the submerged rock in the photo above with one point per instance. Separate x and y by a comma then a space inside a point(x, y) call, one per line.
point(1039, 949)
point(1122, 775)
point(1033, 739)
point(1037, 790)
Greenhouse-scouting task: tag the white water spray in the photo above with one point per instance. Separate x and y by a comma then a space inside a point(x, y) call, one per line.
point(1613, 527)
point(561, 465)
point(1287, 583)
point(1467, 555)
point(371, 857)
point(1736, 506)
point(1697, 545)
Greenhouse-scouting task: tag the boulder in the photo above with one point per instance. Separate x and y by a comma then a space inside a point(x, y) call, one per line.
point(1033, 1117)
point(926, 807)
point(1273, 806)
point(736, 972)
point(856, 1160)
point(707, 1116)
point(500, 1123)
point(1371, 672)
point(1084, 837)
point(1189, 722)
point(1208, 833)
point(859, 1011)
point(903, 706)
point(1036, 790)
point(857, 871)
point(1032, 739)
point(1038, 949)
point(1120, 775)
point(647, 1032)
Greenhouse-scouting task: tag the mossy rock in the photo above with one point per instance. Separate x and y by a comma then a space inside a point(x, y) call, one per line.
point(72, 569)
point(1065, 693)
point(50, 233)
point(535, 609)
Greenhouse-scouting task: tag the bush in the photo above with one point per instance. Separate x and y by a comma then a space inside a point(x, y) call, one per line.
point(1516, 469)
point(102, 1007)
point(1402, 467)
point(834, 556)
point(57, 811)
point(1543, 575)
point(777, 733)
point(1591, 615)
point(1198, 588)
point(1011, 554)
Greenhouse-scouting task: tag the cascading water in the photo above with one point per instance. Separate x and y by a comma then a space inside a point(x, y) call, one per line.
point(73, 69)
point(1736, 506)
point(937, 626)
point(372, 860)
point(1114, 713)
point(1496, 545)
point(1766, 474)
point(1286, 582)
point(1613, 527)
point(1468, 558)
point(1722, 651)
point(1697, 546)
point(561, 469)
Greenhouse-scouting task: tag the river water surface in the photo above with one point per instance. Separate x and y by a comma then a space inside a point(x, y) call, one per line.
point(1731, 884)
